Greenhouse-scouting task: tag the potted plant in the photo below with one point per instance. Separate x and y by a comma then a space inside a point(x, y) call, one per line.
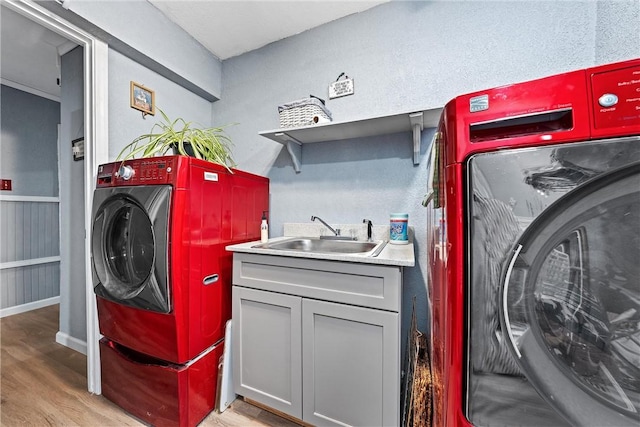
point(184, 138)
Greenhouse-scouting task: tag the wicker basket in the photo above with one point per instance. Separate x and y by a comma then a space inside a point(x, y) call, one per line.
point(303, 112)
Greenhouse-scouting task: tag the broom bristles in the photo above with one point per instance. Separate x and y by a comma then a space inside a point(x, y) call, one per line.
point(422, 388)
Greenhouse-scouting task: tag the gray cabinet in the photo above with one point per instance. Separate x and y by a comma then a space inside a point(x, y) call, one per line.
point(319, 340)
point(267, 342)
point(350, 370)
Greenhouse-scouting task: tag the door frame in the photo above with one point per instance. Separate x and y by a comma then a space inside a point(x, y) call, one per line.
point(96, 146)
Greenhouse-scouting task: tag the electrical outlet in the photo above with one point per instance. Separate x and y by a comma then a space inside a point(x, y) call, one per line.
point(5, 185)
point(341, 88)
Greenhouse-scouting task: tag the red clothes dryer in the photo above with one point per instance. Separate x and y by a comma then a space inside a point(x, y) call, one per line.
point(534, 253)
point(162, 278)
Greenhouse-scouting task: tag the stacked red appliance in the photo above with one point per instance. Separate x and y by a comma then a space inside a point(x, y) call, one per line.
point(534, 242)
point(162, 278)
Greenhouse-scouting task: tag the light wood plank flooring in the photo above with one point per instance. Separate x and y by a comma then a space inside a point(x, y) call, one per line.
point(45, 384)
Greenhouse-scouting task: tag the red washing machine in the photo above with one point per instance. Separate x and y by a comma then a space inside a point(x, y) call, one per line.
point(534, 253)
point(162, 278)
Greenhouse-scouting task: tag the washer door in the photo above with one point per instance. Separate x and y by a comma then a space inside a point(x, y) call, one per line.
point(129, 246)
point(571, 301)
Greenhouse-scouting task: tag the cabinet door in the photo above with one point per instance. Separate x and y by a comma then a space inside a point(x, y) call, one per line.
point(267, 349)
point(351, 370)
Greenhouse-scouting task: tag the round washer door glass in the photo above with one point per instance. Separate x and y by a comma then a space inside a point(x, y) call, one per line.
point(571, 301)
point(127, 247)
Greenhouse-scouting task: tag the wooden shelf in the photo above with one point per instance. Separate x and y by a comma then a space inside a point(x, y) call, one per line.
point(415, 122)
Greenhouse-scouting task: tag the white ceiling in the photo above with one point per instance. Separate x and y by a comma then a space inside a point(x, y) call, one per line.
point(233, 27)
point(227, 28)
point(29, 54)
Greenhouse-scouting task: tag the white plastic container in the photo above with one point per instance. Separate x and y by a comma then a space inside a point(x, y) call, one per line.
point(399, 229)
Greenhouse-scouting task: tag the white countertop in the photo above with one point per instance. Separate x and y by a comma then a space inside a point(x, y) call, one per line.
point(392, 254)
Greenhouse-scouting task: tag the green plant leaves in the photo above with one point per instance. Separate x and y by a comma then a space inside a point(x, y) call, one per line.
point(210, 144)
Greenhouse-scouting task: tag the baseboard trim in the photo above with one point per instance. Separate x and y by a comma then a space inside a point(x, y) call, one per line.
point(23, 308)
point(278, 413)
point(71, 342)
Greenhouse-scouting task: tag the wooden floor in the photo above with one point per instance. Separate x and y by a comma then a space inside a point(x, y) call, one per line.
point(45, 384)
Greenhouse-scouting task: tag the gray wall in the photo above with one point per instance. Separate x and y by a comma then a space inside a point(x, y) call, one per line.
point(29, 126)
point(136, 29)
point(72, 238)
point(403, 56)
point(125, 123)
point(28, 230)
point(617, 34)
point(147, 48)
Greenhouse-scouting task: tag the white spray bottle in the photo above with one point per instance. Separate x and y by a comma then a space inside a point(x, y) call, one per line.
point(264, 228)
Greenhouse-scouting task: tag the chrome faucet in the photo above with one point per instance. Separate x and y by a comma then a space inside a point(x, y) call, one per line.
point(336, 232)
point(369, 229)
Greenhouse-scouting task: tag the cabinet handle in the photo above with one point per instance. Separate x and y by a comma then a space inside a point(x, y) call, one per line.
point(210, 279)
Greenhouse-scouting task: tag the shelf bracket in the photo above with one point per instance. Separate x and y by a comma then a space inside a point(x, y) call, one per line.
point(417, 124)
point(294, 147)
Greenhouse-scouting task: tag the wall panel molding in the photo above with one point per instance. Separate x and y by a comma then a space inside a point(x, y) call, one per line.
point(28, 262)
point(23, 308)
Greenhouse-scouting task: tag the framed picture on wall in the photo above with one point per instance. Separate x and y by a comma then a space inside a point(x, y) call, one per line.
point(143, 99)
point(77, 148)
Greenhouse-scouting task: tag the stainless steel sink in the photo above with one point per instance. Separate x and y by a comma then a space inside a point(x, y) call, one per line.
point(305, 244)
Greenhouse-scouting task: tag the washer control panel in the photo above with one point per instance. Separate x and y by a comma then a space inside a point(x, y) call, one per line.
point(616, 97)
point(155, 170)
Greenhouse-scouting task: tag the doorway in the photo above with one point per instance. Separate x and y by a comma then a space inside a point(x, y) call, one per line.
point(95, 122)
